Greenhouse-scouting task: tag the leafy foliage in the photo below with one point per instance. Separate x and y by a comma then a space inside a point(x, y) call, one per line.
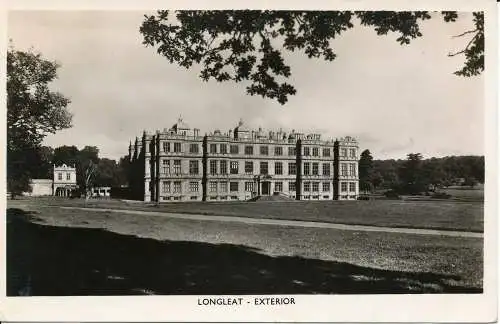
point(365, 171)
point(33, 111)
point(474, 51)
point(248, 45)
point(104, 172)
point(411, 174)
point(428, 173)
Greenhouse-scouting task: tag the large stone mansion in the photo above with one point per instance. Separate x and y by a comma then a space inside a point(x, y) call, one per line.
point(179, 164)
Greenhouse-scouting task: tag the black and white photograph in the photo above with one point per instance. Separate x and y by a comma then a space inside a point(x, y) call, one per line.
point(250, 160)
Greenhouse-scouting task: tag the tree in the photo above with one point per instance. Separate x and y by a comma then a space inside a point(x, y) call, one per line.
point(433, 173)
point(248, 45)
point(41, 163)
point(365, 171)
point(68, 155)
point(89, 179)
point(470, 182)
point(124, 167)
point(33, 111)
point(107, 173)
point(411, 176)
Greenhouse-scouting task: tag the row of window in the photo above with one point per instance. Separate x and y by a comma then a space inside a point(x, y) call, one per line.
point(249, 149)
point(344, 168)
point(214, 186)
point(221, 167)
point(352, 152)
point(352, 186)
point(60, 176)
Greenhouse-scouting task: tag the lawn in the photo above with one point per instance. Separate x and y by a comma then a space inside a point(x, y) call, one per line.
point(74, 252)
point(451, 215)
point(465, 193)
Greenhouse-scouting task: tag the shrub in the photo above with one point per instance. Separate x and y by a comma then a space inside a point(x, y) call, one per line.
point(441, 195)
point(391, 194)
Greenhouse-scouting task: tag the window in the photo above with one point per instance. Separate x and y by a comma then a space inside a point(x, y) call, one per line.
point(233, 186)
point(343, 152)
point(343, 186)
point(292, 168)
point(249, 186)
point(291, 186)
point(166, 146)
point(213, 167)
point(315, 168)
point(352, 186)
point(292, 151)
point(223, 149)
point(194, 198)
point(315, 151)
point(264, 168)
point(307, 151)
point(193, 186)
point(315, 186)
point(177, 187)
point(307, 168)
point(234, 167)
point(177, 147)
point(278, 167)
point(59, 176)
point(352, 169)
point(278, 150)
point(343, 169)
point(212, 186)
point(223, 187)
point(326, 169)
point(68, 176)
point(193, 148)
point(165, 186)
point(278, 186)
point(177, 167)
point(233, 149)
point(326, 152)
point(307, 186)
point(248, 167)
point(193, 167)
point(249, 150)
point(264, 150)
point(352, 153)
point(326, 186)
point(165, 169)
point(223, 167)
point(213, 148)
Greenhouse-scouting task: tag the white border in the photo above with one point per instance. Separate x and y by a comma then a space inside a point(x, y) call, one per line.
point(319, 308)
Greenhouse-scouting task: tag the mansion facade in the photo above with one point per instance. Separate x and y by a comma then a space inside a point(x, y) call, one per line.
point(179, 164)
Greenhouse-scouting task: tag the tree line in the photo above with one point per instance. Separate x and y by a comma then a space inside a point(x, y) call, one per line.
point(416, 174)
point(108, 172)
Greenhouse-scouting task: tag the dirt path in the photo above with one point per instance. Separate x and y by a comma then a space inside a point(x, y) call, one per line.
point(279, 222)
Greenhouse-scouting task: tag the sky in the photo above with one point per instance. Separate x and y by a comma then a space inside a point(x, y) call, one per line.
point(393, 99)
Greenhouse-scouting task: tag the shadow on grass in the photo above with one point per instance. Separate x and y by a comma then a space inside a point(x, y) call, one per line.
point(47, 260)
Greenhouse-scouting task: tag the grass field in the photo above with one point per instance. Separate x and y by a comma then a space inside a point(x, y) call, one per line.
point(450, 215)
point(465, 193)
point(74, 252)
